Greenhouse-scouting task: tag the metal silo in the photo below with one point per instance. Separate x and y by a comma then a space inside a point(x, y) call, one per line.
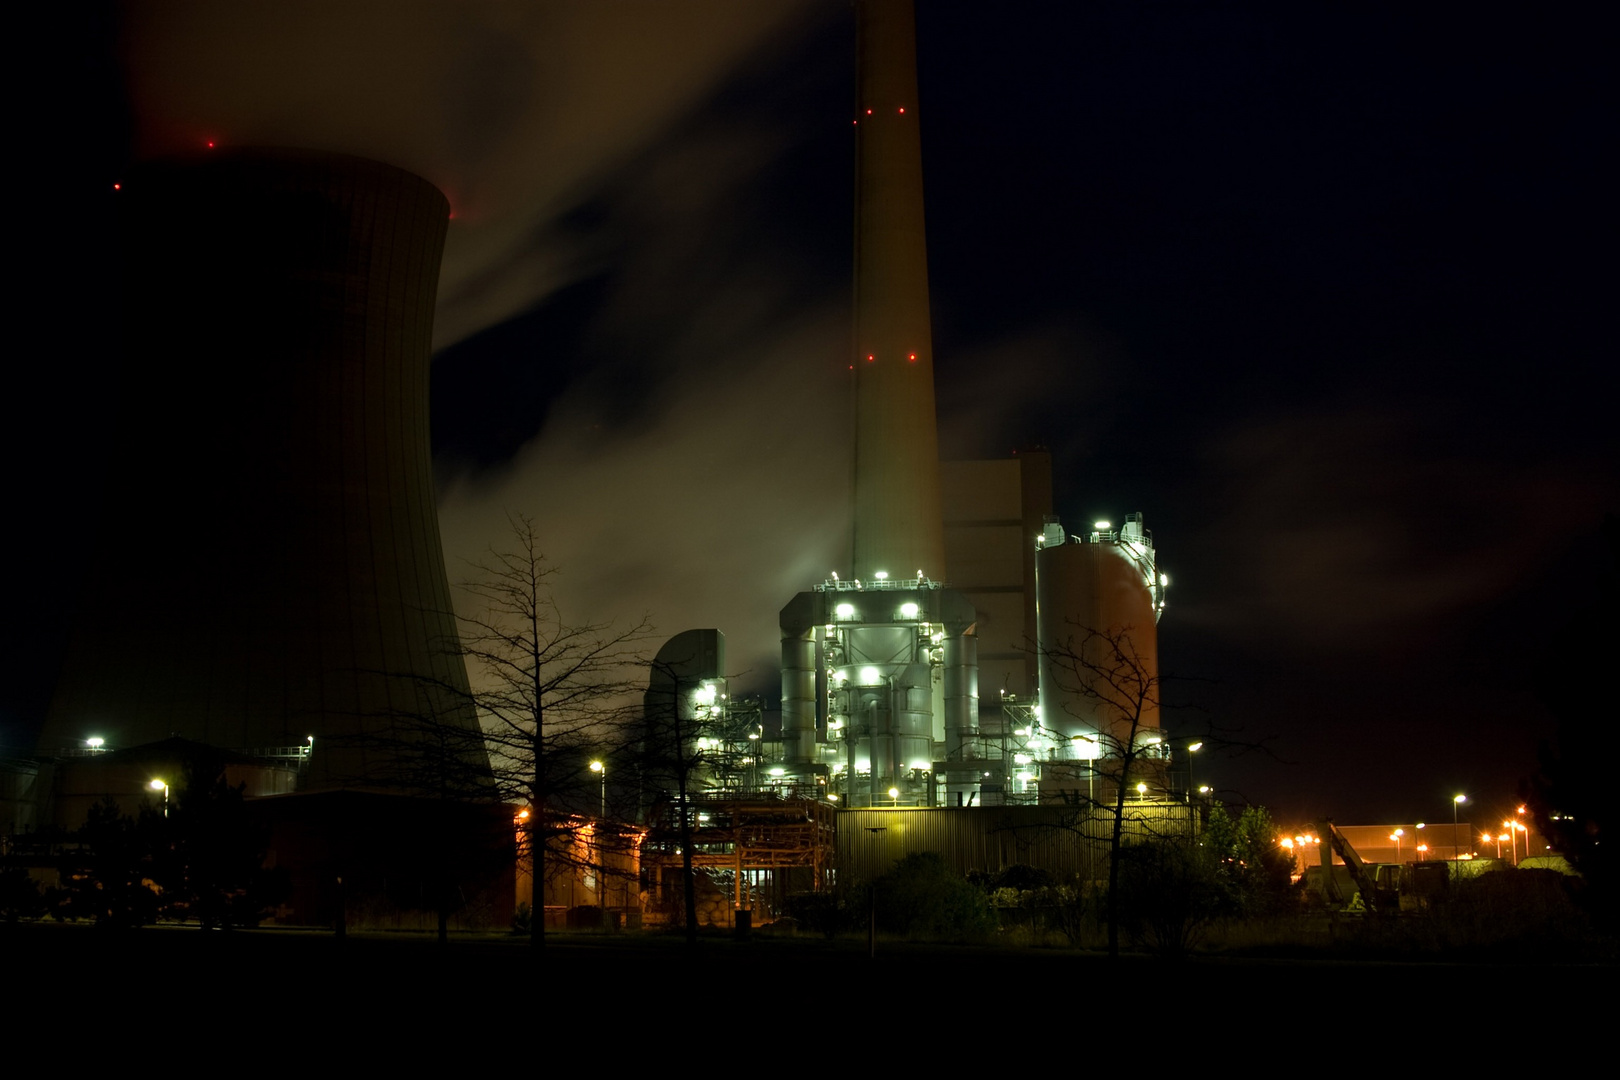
point(1099, 596)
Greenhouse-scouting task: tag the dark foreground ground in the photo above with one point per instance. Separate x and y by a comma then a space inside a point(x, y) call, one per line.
point(408, 999)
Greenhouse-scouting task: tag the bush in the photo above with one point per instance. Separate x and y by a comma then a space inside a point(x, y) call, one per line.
point(820, 913)
point(924, 900)
point(1170, 891)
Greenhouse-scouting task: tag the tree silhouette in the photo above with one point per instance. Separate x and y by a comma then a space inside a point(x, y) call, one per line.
point(1106, 684)
point(208, 856)
point(548, 693)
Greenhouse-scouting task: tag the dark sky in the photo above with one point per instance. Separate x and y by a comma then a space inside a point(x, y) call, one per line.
point(1316, 291)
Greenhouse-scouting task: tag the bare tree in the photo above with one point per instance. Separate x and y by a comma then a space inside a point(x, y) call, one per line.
point(1112, 691)
point(548, 692)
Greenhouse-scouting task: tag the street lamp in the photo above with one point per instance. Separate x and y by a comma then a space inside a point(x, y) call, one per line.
point(1455, 803)
point(1396, 836)
point(159, 785)
point(601, 770)
point(1192, 748)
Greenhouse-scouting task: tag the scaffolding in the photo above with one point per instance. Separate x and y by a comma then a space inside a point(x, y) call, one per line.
point(761, 846)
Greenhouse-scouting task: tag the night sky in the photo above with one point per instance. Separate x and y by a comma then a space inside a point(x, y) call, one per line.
point(1315, 291)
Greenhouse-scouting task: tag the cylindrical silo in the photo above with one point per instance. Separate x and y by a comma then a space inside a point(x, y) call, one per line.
point(1099, 597)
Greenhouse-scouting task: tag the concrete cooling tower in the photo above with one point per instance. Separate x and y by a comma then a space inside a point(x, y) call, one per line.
point(270, 563)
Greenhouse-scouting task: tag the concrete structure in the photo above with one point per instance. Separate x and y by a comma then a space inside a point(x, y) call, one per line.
point(272, 567)
point(897, 523)
point(879, 670)
point(882, 670)
point(993, 511)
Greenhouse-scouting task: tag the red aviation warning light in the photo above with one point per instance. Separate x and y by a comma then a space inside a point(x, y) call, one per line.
point(912, 358)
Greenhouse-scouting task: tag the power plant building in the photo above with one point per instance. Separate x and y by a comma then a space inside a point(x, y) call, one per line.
point(274, 583)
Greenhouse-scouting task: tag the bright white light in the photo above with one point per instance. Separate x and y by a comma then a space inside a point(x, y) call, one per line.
point(95, 742)
point(1164, 580)
point(778, 772)
point(845, 611)
point(1100, 525)
point(908, 611)
point(870, 676)
point(705, 694)
point(922, 765)
point(881, 575)
point(840, 676)
point(157, 785)
point(1021, 759)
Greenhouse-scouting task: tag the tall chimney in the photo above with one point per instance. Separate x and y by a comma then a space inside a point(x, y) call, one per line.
point(897, 518)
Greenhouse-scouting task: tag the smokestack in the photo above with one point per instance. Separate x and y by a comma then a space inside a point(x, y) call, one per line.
point(897, 518)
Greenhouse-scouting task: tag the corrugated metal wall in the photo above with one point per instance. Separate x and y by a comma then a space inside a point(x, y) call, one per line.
point(1063, 840)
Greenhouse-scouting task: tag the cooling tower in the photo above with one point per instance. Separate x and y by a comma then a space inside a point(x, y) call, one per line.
point(897, 505)
point(270, 563)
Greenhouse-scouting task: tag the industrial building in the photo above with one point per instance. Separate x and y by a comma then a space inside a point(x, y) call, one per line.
point(883, 671)
point(976, 678)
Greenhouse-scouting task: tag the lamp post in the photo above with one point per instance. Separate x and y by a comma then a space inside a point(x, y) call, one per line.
point(159, 785)
point(756, 736)
point(601, 770)
point(1396, 836)
point(1455, 803)
point(871, 902)
point(1192, 810)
